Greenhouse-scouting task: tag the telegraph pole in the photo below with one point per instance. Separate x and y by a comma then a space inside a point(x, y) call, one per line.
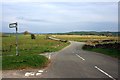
point(17, 54)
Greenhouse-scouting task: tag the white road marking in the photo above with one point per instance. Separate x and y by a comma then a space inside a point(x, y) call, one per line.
point(80, 57)
point(49, 55)
point(37, 74)
point(32, 74)
point(105, 73)
point(27, 74)
point(40, 70)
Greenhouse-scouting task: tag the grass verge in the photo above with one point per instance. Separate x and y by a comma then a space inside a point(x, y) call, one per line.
point(29, 51)
point(24, 62)
point(110, 52)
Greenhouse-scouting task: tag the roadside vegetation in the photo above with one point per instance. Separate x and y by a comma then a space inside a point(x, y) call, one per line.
point(108, 45)
point(29, 50)
point(24, 62)
point(111, 49)
point(30, 46)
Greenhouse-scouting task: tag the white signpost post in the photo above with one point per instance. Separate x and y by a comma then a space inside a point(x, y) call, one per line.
point(14, 25)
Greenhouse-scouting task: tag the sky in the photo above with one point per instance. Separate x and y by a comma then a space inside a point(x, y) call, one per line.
point(57, 17)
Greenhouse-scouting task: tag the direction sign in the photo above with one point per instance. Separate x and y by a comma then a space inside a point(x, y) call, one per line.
point(13, 25)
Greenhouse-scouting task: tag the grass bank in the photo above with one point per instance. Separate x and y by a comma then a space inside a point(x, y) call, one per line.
point(24, 62)
point(28, 50)
point(113, 52)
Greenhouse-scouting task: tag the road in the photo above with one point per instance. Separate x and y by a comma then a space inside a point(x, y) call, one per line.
point(73, 62)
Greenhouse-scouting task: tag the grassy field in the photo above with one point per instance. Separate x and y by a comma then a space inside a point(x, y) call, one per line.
point(93, 40)
point(28, 50)
point(28, 46)
point(84, 38)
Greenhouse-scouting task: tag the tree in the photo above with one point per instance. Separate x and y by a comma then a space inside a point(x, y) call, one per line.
point(26, 32)
point(33, 36)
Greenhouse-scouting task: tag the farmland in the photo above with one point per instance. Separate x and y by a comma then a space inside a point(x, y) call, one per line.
point(85, 38)
point(28, 49)
point(28, 46)
point(108, 45)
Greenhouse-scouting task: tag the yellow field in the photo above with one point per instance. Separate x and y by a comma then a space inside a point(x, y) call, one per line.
point(85, 37)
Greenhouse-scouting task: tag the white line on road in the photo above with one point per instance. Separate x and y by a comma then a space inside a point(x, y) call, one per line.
point(80, 57)
point(40, 70)
point(37, 74)
point(27, 74)
point(105, 73)
point(49, 55)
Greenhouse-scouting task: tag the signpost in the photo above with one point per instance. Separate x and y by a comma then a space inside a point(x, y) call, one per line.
point(14, 25)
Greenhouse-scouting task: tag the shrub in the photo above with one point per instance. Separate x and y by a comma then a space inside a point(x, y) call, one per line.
point(33, 36)
point(26, 32)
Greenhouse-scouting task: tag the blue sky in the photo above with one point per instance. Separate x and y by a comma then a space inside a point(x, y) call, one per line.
point(45, 17)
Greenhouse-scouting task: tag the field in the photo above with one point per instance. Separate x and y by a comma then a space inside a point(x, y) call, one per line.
point(28, 46)
point(28, 49)
point(85, 38)
point(108, 45)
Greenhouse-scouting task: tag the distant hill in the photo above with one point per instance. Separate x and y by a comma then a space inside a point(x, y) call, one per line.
point(91, 33)
point(77, 33)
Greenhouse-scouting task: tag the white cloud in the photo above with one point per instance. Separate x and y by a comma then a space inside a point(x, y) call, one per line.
point(63, 12)
point(58, 15)
point(59, 1)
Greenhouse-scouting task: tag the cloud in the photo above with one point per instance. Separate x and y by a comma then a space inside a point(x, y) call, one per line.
point(63, 12)
point(59, 1)
point(62, 16)
point(31, 20)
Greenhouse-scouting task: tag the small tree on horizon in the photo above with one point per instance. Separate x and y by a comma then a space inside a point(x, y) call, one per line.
point(26, 33)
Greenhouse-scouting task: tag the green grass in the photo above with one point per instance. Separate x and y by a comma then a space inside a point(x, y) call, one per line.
point(28, 50)
point(28, 46)
point(23, 62)
point(110, 52)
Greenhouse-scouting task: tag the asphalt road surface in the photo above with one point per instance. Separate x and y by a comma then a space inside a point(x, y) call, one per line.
point(73, 62)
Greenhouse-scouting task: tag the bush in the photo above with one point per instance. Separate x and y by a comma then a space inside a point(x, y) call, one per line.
point(26, 33)
point(33, 36)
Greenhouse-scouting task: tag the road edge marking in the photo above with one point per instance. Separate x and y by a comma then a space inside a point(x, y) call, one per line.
point(27, 74)
point(49, 55)
point(104, 73)
point(37, 74)
point(80, 57)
